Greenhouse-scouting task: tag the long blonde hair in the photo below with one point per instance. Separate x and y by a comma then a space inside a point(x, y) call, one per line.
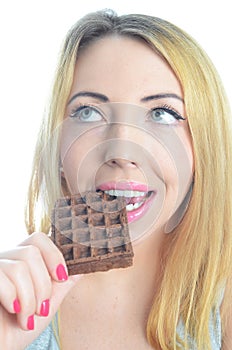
point(199, 258)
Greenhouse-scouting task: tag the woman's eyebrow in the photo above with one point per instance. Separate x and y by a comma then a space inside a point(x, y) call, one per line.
point(161, 96)
point(95, 95)
point(104, 98)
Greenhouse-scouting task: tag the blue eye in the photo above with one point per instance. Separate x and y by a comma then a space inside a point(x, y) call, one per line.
point(87, 114)
point(164, 115)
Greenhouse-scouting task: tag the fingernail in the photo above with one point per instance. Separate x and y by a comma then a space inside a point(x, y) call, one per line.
point(61, 273)
point(16, 306)
point(30, 323)
point(44, 309)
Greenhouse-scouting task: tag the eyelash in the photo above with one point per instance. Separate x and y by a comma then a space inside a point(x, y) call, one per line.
point(169, 109)
point(165, 107)
point(82, 107)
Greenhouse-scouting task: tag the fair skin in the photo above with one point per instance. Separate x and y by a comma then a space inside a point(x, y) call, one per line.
point(107, 309)
point(117, 315)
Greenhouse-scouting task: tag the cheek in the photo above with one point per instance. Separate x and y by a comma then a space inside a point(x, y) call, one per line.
point(74, 159)
point(174, 155)
point(70, 166)
point(177, 164)
point(164, 158)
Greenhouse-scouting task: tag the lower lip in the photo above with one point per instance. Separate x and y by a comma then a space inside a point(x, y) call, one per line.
point(138, 213)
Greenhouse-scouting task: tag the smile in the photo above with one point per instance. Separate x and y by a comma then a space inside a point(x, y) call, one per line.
point(134, 199)
point(138, 200)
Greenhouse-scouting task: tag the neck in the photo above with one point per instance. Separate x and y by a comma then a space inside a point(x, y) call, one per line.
point(119, 297)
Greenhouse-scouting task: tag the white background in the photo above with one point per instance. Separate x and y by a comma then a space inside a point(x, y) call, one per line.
point(31, 33)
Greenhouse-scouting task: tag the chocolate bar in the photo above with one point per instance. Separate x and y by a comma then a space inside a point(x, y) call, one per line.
point(91, 231)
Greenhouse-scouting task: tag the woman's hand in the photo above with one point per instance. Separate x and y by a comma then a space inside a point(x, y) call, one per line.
point(33, 283)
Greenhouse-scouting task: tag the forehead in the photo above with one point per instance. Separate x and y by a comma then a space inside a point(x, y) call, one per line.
point(120, 64)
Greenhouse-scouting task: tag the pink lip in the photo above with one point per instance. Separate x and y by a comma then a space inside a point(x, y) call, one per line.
point(133, 186)
point(130, 186)
point(138, 213)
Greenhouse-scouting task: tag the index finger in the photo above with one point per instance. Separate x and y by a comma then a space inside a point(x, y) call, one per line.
point(51, 255)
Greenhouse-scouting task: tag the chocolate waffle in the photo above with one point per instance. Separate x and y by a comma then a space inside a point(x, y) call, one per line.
point(91, 231)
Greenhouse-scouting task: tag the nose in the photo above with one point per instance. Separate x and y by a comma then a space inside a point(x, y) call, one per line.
point(121, 163)
point(121, 154)
point(122, 149)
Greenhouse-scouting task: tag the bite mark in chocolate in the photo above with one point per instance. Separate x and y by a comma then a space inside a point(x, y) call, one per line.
point(91, 231)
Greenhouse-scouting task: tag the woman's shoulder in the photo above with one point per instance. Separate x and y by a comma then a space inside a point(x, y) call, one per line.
point(215, 331)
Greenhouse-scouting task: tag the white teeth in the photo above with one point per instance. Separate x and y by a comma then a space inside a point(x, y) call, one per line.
point(131, 207)
point(137, 205)
point(126, 193)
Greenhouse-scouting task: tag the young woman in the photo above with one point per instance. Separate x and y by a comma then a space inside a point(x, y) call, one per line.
point(139, 111)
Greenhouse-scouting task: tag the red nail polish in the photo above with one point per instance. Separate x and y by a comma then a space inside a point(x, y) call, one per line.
point(30, 323)
point(61, 273)
point(44, 309)
point(16, 306)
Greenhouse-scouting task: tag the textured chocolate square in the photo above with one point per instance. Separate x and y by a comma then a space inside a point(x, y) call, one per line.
point(91, 231)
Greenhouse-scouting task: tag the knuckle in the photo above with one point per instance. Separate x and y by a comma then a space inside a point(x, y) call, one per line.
point(37, 236)
point(44, 286)
point(7, 291)
point(18, 268)
point(31, 252)
point(29, 304)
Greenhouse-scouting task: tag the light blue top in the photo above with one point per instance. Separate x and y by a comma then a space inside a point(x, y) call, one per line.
point(47, 339)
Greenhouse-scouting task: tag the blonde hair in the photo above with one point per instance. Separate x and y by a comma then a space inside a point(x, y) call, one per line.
point(198, 261)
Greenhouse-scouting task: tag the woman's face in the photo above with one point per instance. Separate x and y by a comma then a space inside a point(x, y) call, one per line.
point(125, 131)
